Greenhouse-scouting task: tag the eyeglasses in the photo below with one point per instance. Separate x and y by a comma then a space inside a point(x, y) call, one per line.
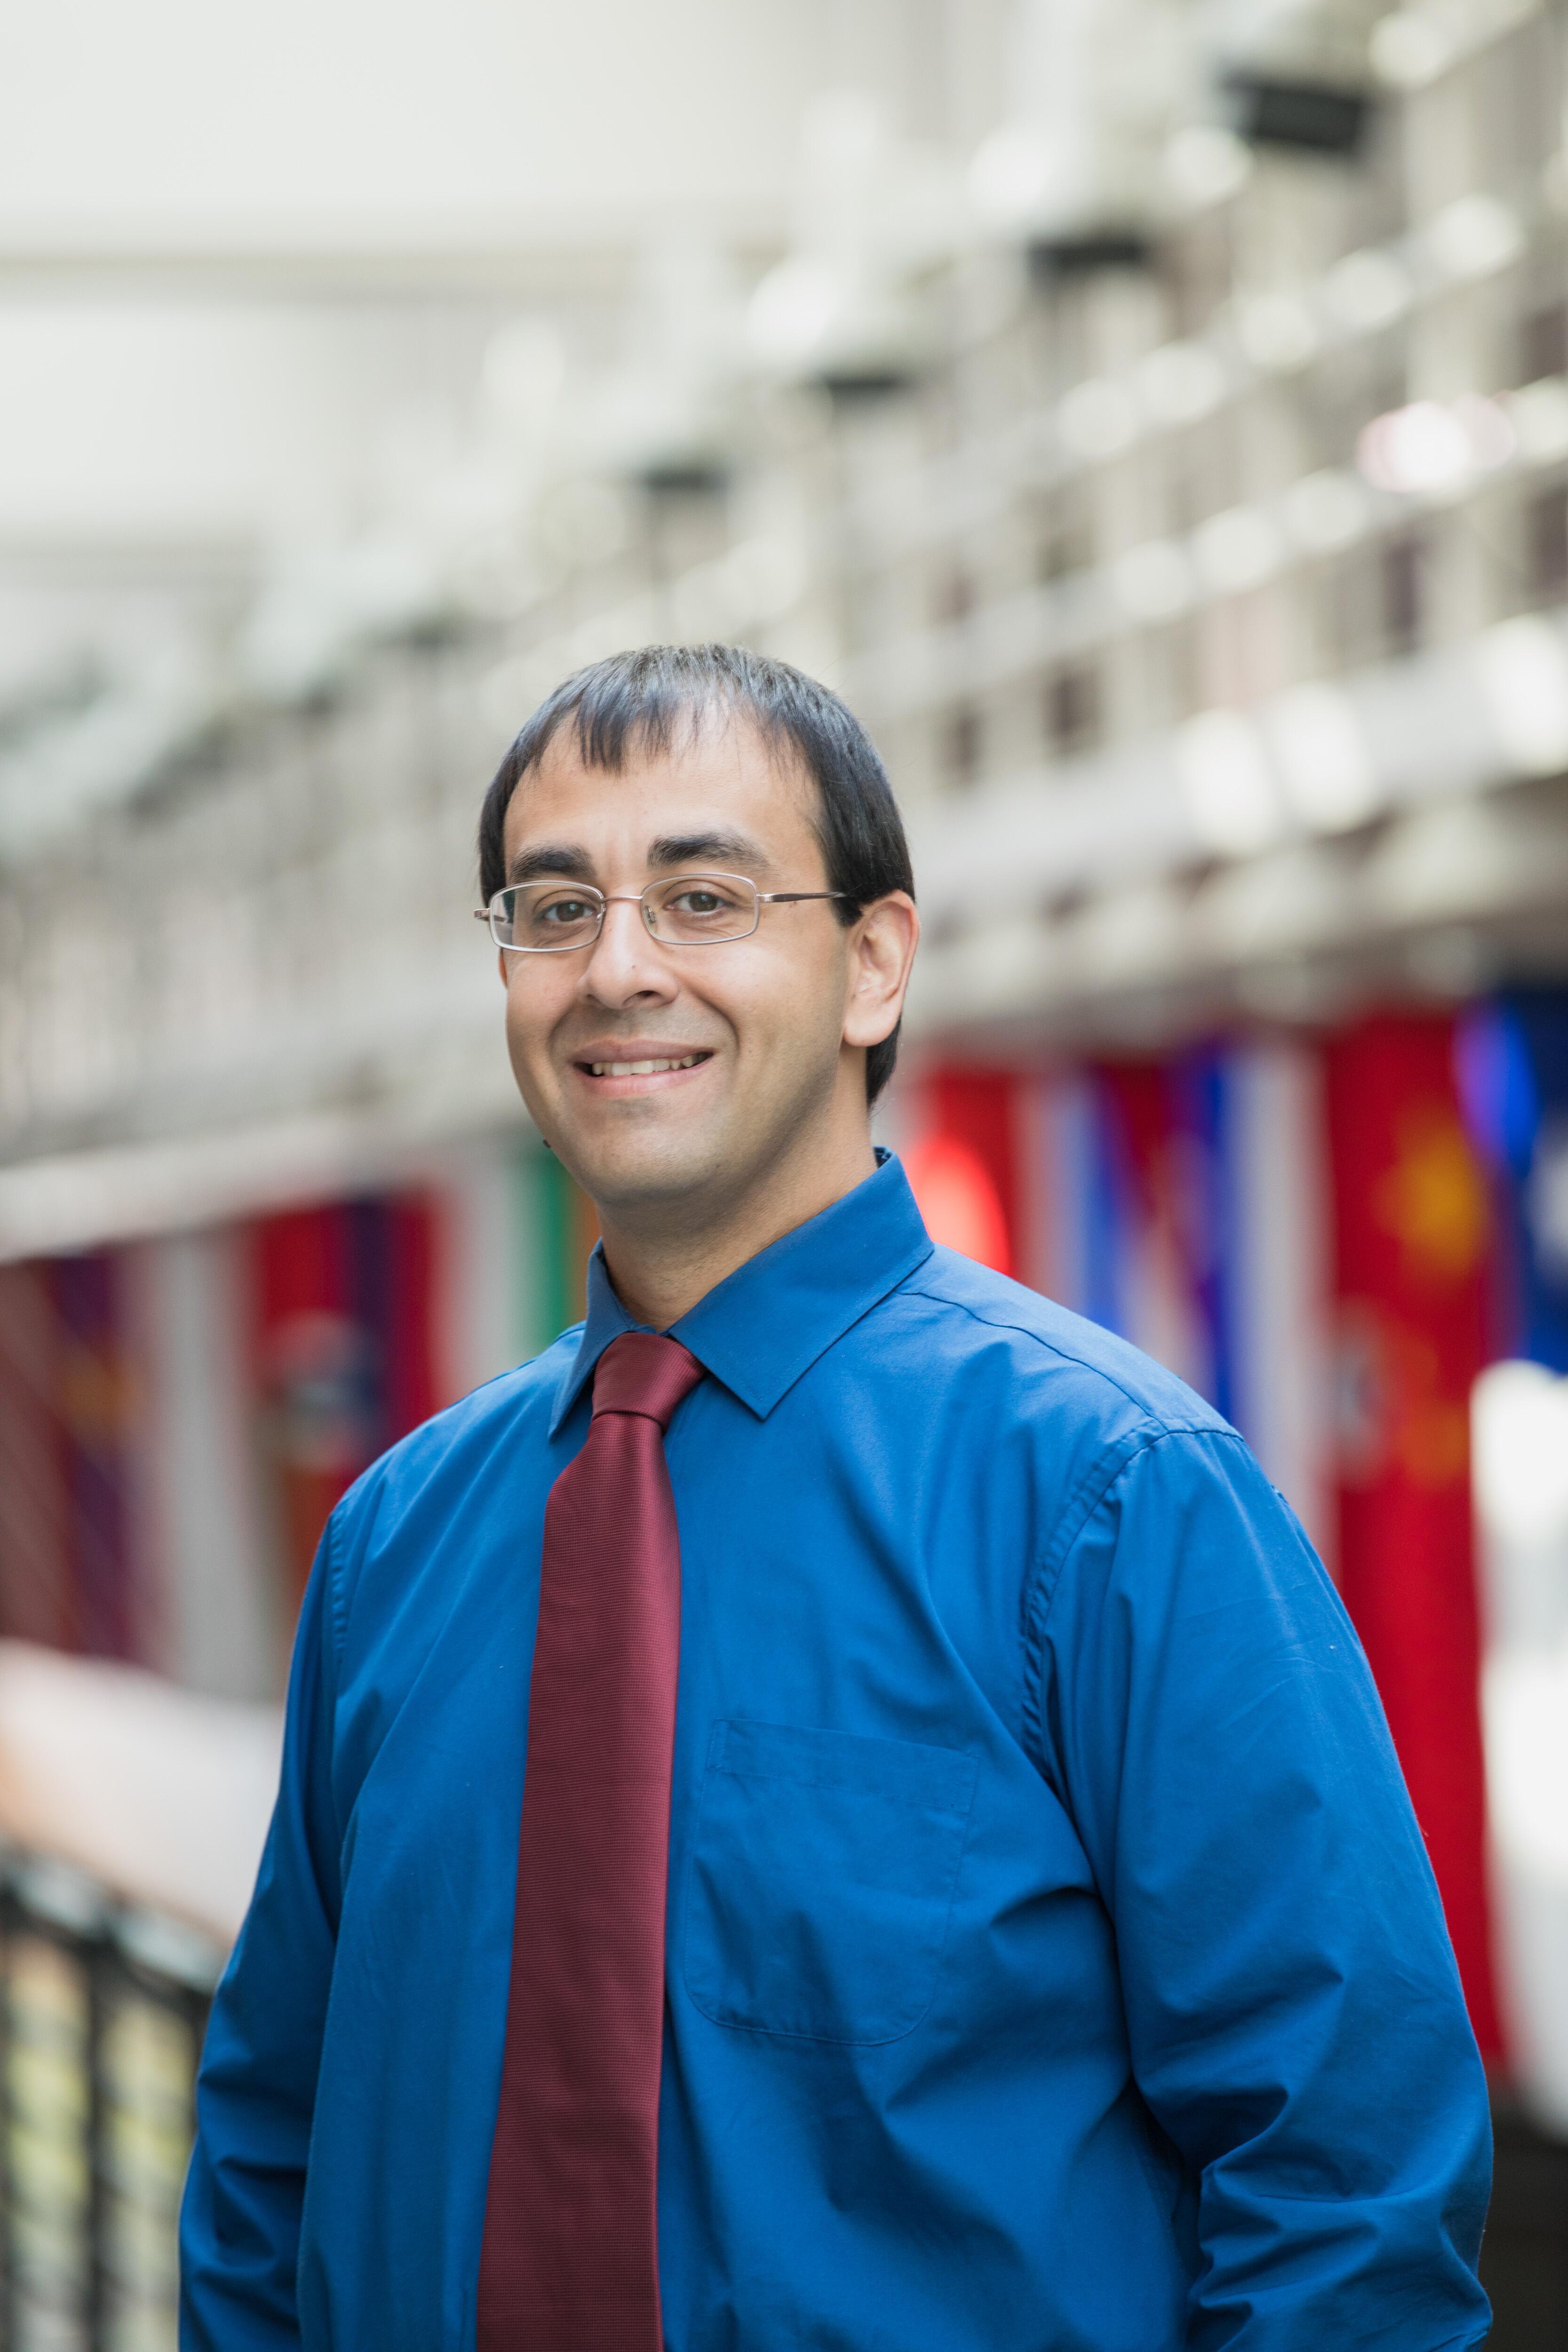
point(688, 910)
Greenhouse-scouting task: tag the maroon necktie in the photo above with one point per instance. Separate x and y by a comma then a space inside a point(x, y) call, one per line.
point(570, 2258)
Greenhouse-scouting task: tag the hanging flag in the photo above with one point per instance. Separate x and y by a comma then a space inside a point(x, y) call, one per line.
point(964, 1164)
point(35, 1530)
point(1255, 1225)
point(1413, 1267)
point(393, 1274)
point(1181, 1202)
point(73, 1571)
point(1062, 1157)
point(1520, 1434)
point(315, 1381)
point(1513, 1076)
point(562, 1227)
point(1097, 1209)
point(488, 1254)
point(1513, 1068)
point(1156, 1160)
point(198, 1501)
point(344, 1327)
point(957, 1195)
point(96, 1399)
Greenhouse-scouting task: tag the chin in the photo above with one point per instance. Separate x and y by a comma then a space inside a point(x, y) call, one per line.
point(644, 1172)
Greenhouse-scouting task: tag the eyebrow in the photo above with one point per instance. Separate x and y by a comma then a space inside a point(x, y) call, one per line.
point(571, 863)
point(707, 849)
point(552, 858)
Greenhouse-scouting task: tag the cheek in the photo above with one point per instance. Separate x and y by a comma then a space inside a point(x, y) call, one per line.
point(531, 1015)
point(789, 1006)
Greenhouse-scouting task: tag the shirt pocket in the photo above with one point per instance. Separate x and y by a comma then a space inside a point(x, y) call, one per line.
point(821, 1879)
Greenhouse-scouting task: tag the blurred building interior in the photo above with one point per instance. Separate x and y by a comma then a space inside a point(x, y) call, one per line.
point(1152, 417)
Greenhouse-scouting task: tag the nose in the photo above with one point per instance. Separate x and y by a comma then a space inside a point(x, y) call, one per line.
point(627, 964)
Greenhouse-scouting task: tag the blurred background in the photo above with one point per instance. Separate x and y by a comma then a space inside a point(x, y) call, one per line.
point(1152, 415)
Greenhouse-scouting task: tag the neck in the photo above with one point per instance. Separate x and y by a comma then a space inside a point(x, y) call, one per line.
point(661, 1268)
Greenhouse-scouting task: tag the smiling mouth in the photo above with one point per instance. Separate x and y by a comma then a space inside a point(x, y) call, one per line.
point(643, 1069)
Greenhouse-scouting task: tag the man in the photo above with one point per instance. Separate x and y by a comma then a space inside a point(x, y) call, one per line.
point(836, 1808)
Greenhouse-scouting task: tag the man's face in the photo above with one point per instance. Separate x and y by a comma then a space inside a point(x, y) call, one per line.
point(752, 1030)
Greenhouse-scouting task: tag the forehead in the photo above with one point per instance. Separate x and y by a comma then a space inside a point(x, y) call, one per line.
point(718, 774)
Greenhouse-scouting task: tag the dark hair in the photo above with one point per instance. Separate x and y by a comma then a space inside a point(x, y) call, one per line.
point(638, 699)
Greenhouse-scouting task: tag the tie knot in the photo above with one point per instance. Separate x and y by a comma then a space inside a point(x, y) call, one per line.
point(643, 1372)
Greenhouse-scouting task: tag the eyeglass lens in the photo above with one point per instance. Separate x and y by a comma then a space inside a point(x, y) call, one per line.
point(684, 911)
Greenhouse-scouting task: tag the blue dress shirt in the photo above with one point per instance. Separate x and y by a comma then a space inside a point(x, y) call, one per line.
point(1054, 1965)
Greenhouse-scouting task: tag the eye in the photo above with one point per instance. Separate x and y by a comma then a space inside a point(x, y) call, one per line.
point(563, 911)
point(705, 894)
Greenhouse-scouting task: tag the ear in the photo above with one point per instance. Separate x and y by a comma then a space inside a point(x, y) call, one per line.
point(883, 946)
point(501, 967)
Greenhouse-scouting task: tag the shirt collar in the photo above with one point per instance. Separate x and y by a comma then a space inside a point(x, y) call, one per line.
point(765, 1325)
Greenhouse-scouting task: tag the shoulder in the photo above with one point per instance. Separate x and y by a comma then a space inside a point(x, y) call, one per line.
point(496, 1423)
point(1033, 1411)
point(1049, 1361)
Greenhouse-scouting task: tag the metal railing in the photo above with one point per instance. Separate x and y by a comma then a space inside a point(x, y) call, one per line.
point(104, 2005)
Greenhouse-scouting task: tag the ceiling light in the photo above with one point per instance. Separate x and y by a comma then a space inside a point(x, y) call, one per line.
point(1181, 382)
point(1538, 414)
point(1277, 331)
point(1489, 429)
point(1237, 550)
point(1322, 756)
point(1367, 291)
point(1408, 48)
point(1422, 448)
point(794, 309)
point(1154, 580)
point(1226, 787)
point(1204, 164)
point(1524, 666)
point(1097, 418)
point(1011, 176)
point(1473, 237)
point(1325, 510)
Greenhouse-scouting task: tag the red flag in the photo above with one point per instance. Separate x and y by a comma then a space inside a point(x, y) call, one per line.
point(1413, 1244)
point(36, 1597)
point(344, 1346)
point(312, 1375)
point(965, 1170)
point(95, 1392)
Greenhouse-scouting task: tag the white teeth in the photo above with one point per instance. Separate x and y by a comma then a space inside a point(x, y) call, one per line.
point(641, 1069)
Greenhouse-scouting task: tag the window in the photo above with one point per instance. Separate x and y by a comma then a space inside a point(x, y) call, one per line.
point(1072, 708)
point(1546, 545)
point(1403, 564)
point(964, 744)
point(1543, 344)
point(954, 596)
point(1066, 534)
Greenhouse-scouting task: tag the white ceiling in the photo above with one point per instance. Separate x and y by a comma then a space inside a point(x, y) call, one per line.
point(311, 285)
point(249, 258)
point(183, 126)
point(185, 122)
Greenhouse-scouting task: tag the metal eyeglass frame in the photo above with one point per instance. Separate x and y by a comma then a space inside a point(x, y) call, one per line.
point(760, 898)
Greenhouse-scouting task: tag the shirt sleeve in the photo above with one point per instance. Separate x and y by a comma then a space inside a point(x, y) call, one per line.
point(1293, 2009)
point(239, 2228)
